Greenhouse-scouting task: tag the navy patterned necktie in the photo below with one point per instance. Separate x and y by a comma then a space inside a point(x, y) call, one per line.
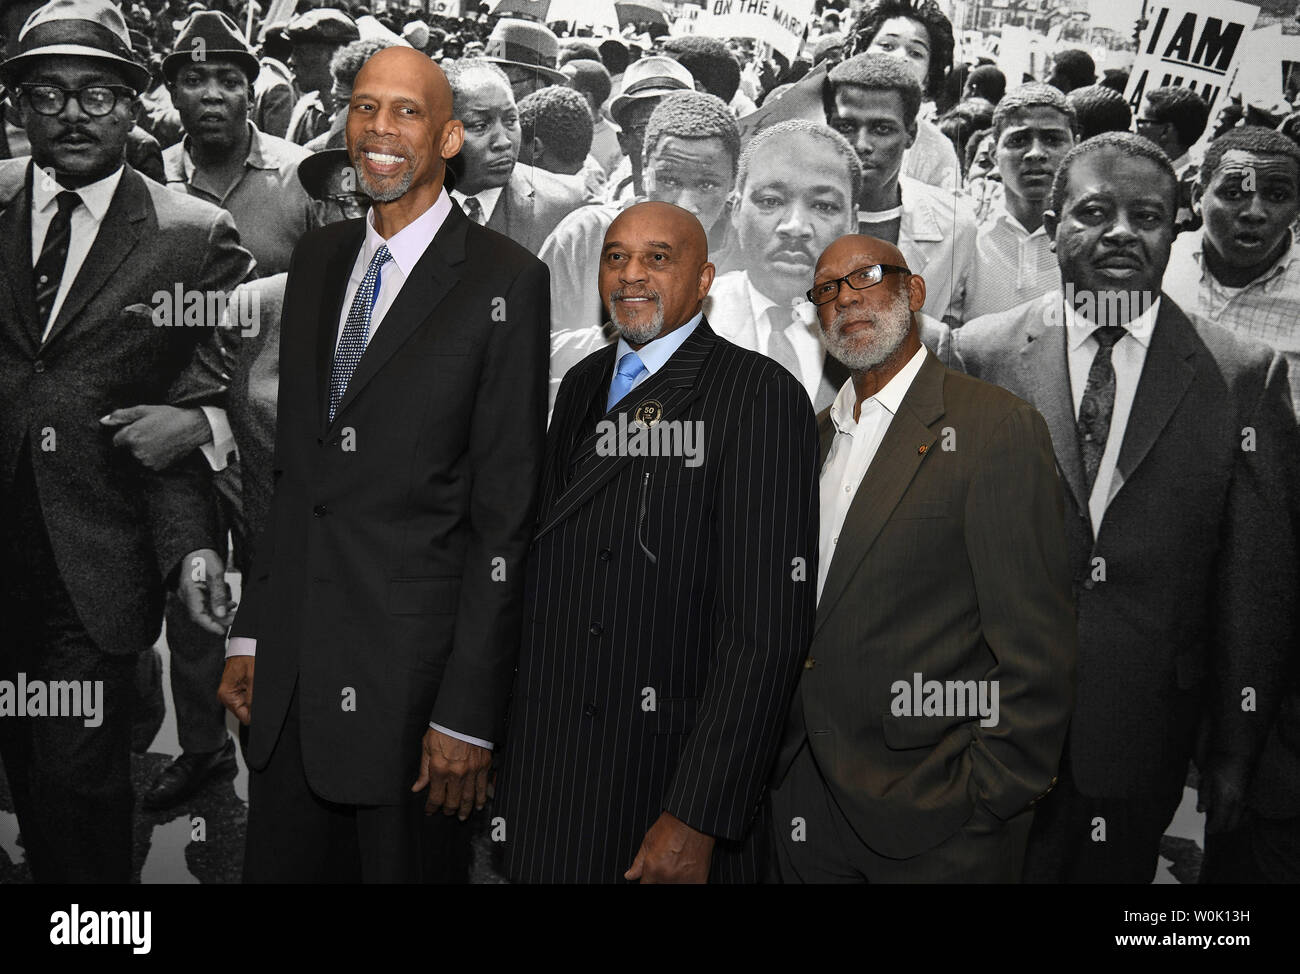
point(47, 273)
point(1098, 403)
point(356, 331)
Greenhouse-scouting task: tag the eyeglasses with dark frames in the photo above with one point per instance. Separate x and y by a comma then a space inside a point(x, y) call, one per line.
point(859, 280)
point(95, 100)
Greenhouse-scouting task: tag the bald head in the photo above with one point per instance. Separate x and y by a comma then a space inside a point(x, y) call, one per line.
point(858, 246)
point(868, 326)
point(400, 130)
point(654, 270)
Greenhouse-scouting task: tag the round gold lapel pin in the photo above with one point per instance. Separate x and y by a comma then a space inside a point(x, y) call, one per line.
point(921, 450)
point(649, 412)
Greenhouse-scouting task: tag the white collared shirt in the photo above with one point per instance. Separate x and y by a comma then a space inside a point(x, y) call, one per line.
point(487, 199)
point(852, 450)
point(1127, 357)
point(407, 247)
point(807, 346)
point(85, 222)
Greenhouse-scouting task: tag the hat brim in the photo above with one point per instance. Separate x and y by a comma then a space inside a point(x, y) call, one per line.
point(557, 76)
point(622, 101)
point(137, 75)
point(248, 63)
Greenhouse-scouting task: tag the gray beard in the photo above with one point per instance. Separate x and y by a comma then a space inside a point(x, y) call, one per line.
point(396, 191)
point(638, 335)
point(865, 351)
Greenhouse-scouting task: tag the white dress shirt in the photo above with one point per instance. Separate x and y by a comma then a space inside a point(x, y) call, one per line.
point(487, 199)
point(1127, 357)
point(407, 247)
point(852, 450)
point(808, 348)
point(85, 223)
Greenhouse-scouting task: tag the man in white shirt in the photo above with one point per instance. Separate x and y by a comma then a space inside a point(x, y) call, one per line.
point(940, 522)
point(1033, 129)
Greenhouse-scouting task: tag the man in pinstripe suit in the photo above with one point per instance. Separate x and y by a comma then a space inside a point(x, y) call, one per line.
point(669, 599)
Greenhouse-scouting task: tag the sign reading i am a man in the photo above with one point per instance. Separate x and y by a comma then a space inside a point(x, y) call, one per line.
point(1195, 44)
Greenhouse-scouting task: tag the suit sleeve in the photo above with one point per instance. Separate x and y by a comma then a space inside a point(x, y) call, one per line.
point(507, 444)
point(1015, 540)
point(1256, 610)
point(179, 499)
point(765, 602)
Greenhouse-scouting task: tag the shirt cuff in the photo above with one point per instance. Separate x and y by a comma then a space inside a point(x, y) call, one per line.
point(460, 737)
point(223, 440)
point(241, 646)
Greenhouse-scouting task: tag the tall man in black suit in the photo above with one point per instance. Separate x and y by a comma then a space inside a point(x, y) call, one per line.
point(1177, 447)
point(669, 596)
point(90, 541)
point(935, 696)
point(385, 600)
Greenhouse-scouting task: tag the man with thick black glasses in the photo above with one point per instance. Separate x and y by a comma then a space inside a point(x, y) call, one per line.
point(933, 703)
point(91, 541)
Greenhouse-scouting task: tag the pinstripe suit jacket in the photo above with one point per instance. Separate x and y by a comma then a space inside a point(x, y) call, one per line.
point(667, 609)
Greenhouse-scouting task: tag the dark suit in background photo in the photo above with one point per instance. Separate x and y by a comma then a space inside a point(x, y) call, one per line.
point(942, 561)
point(1177, 446)
point(94, 540)
point(386, 592)
point(669, 598)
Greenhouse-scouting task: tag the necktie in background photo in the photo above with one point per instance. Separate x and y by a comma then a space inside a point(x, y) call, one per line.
point(629, 367)
point(356, 331)
point(47, 273)
point(474, 209)
point(1098, 404)
point(778, 342)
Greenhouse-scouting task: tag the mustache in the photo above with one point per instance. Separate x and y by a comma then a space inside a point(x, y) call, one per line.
point(632, 292)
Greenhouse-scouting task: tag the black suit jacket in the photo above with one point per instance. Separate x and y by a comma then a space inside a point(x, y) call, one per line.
point(117, 530)
point(951, 563)
point(1197, 547)
point(668, 610)
point(391, 565)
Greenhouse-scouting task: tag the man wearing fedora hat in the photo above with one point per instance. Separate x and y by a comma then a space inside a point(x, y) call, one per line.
point(645, 83)
point(275, 90)
point(527, 52)
point(315, 35)
point(224, 158)
point(94, 541)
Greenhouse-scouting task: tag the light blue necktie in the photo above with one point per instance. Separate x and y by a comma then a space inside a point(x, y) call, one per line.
point(356, 331)
point(629, 367)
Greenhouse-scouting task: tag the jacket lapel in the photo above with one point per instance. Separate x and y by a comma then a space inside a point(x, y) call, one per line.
point(673, 386)
point(16, 254)
point(1166, 374)
point(1046, 371)
point(113, 244)
point(429, 282)
point(887, 478)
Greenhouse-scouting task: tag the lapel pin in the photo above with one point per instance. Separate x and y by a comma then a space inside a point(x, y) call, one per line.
point(649, 412)
point(921, 449)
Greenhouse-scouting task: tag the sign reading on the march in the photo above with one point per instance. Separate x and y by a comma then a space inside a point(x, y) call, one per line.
point(781, 23)
point(1195, 44)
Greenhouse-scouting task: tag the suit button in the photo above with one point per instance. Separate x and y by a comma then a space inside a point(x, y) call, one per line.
point(38, 366)
point(1089, 584)
point(809, 663)
point(605, 554)
point(596, 629)
point(320, 510)
point(591, 710)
